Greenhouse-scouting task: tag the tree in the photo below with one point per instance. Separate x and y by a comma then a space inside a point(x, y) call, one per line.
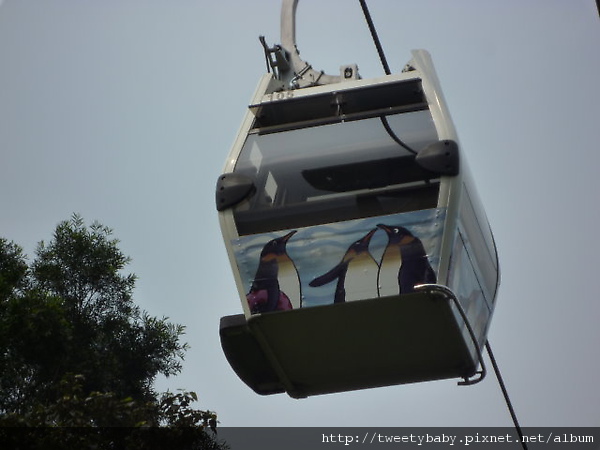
point(74, 348)
point(13, 269)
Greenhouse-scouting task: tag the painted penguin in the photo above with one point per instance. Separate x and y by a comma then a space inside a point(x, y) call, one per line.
point(356, 273)
point(276, 285)
point(404, 263)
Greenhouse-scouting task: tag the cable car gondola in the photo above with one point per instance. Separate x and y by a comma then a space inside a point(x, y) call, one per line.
point(360, 250)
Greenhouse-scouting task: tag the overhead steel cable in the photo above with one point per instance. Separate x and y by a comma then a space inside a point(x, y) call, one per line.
point(376, 40)
point(513, 415)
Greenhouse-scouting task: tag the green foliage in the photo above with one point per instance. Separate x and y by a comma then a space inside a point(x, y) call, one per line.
point(75, 351)
point(76, 408)
point(13, 269)
point(83, 266)
point(175, 411)
point(103, 421)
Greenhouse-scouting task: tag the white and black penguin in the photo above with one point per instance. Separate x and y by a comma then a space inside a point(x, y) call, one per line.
point(356, 273)
point(404, 263)
point(276, 285)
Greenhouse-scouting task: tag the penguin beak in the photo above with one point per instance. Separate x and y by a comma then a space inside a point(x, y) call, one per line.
point(358, 247)
point(367, 238)
point(289, 235)
point(384, 227)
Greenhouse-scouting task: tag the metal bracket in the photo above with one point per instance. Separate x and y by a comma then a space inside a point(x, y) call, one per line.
point(441, 157)
point(232, 188)
point(450, 295)
point(285, 59)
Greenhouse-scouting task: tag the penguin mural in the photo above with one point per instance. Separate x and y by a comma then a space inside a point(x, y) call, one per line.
point(356, 273)
point(276, 285)
point(404, 263)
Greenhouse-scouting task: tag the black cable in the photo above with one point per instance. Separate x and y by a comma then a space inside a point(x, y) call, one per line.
point(505, 393)
point(387, 71)
point(389, 130)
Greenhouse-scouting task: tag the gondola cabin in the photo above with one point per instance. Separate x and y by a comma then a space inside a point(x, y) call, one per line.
point(360, 250)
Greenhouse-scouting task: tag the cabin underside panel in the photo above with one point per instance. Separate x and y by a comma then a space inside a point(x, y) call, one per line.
point(355, 345)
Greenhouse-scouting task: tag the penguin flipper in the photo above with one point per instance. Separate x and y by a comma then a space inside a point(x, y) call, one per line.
point(340, 295)
point(333, 274)
point(272, 298)
point(430, 276)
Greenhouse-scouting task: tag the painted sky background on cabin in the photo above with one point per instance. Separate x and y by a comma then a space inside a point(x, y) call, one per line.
point(124, 111)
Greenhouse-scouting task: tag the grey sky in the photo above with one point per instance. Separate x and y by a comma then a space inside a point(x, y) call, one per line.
point(124, 111)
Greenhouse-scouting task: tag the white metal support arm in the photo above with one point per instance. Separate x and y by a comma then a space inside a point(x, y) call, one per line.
point(301, 74)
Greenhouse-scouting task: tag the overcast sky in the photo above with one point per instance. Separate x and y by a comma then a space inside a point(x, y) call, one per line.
point(124, 111)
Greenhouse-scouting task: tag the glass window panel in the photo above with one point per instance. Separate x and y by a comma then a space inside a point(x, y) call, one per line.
point(335, 172)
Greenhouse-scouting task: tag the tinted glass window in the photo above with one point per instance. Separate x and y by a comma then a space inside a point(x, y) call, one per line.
point(335, 172)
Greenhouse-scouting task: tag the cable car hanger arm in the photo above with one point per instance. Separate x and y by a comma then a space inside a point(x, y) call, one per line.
point(285, 59)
